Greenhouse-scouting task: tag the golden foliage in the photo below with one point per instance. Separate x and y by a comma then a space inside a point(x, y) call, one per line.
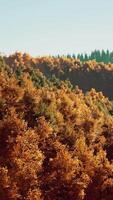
point(55, 143)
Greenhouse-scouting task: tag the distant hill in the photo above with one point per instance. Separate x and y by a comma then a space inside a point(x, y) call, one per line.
point(85, 75)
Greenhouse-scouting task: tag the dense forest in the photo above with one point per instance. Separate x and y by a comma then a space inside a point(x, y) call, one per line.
point(56, 141)
point(85, 75)
point(99, 56)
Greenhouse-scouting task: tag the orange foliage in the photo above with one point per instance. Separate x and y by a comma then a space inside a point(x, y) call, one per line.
point(55, 143)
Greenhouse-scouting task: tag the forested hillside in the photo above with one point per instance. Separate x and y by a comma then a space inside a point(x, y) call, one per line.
point(86, 75)
point(56, 143)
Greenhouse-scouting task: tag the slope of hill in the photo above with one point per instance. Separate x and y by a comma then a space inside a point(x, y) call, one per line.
point(86, 75)
point(56, 143)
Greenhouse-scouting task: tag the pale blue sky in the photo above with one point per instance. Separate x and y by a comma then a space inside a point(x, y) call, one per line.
point(42, 27)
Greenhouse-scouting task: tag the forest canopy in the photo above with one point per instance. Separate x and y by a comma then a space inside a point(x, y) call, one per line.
point(86, 75)
point(99, 56)
point(56, 141)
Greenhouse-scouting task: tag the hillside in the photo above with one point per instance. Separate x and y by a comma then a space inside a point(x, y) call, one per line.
point(86, 75)
point(56, 142)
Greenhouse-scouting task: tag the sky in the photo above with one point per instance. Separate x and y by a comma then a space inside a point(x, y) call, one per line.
point(51, 27)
